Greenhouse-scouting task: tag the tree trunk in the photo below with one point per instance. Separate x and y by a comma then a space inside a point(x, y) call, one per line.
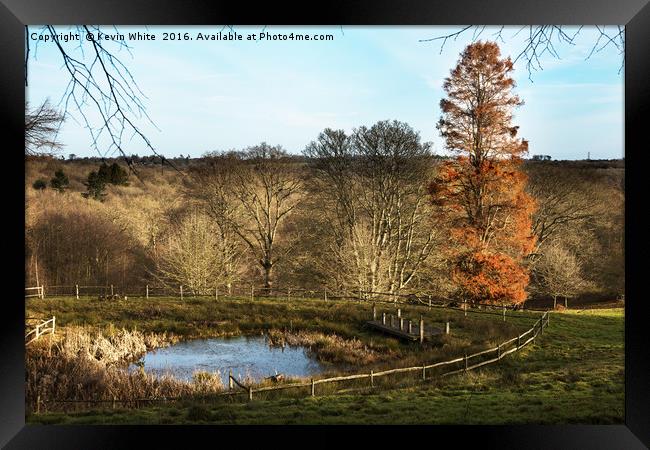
point(267, 266)
point(565, 302)
point(36, 264)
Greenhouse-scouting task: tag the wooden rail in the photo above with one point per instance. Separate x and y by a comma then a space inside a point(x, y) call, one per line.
point(41, 329)
point(39, 292)
point(286, 292)
point(500, 351)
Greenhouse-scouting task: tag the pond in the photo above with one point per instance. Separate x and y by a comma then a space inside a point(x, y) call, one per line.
point(246, 356)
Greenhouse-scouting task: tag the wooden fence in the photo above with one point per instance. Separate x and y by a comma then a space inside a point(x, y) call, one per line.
point(500, 351)
point(41, 328)
point(458, 365)
point(253, 292)
point(36, 291)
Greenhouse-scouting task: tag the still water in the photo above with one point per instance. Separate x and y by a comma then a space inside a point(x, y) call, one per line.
point(246, 356)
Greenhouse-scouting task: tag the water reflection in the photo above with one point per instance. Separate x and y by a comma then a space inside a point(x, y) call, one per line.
point(246, 356)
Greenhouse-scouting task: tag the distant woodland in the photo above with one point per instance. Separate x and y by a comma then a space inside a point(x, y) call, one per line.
point(345, 220)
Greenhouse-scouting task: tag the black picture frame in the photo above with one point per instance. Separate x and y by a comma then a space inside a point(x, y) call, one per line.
point(634, 14)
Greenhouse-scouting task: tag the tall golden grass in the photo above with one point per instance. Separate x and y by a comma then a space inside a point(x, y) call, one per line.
point(86, 365)
point(328, 347)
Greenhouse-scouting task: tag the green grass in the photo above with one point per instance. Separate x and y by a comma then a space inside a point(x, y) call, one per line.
point(205, 317)
point(574, 373)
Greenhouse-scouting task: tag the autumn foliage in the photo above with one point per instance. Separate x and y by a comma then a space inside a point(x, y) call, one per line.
point(480, 194)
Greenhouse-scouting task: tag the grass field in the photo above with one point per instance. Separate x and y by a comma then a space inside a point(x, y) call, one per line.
point(574, 373)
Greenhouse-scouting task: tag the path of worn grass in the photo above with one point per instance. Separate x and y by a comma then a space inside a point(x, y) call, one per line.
point(574, 373)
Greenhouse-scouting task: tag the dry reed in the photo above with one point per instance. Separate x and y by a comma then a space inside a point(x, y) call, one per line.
point(85, 365)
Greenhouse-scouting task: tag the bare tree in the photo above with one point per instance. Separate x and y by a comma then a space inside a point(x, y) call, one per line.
point(146, 214)
point(252, 194)
point(558, 273)
point(41, 126)
point(75, 241)
point(192, 255)
point(541, 40)
point(563, 200)
point(375, 184)
point(209, 184)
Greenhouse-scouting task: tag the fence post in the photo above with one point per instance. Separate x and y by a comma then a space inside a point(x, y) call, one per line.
point(410, 327)
point(325, 294)
point(465, 362)
point(392, 324)
point(216, 293)
point(401, 323)
point(250, 393)
point(499, 351)
point(429, 301)
point(518, 340)
point(424, 373)
point(383, 318)
point(76, 288)
point(181, 292)
point(359, 294)
point(252, 292)
point(541, 326)
point(372, 378)
point(230, 383)
point(113, 402)
point(313, 388)
point(504, 313)
point(38, 404)
point(447, 327)
point(53, 324)
point(147, 292)
point(465, 307)
point(421, 330)
point(399, 312)
point(112, 289)
point(374, 312)
point(42, 292)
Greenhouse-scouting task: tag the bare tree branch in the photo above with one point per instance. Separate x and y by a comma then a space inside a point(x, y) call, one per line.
point(100, 83)
point(41, 126)
point(544, 39)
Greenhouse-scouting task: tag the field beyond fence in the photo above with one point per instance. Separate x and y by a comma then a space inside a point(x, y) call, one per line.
point(289, 293)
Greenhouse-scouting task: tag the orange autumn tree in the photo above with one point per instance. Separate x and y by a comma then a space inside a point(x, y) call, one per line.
point(480, 193)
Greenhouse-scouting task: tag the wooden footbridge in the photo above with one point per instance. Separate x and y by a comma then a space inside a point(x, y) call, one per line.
point(404, 328)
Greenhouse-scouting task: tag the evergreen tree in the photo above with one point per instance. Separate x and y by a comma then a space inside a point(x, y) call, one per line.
point(39, 184)
point(60, 181)
point(104, 173)
point(96, 186)
point(117, 175)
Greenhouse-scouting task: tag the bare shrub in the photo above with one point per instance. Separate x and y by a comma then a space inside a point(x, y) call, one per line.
point(194, 255)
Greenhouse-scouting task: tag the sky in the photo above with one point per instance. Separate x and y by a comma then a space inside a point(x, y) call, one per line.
point(219, 95)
